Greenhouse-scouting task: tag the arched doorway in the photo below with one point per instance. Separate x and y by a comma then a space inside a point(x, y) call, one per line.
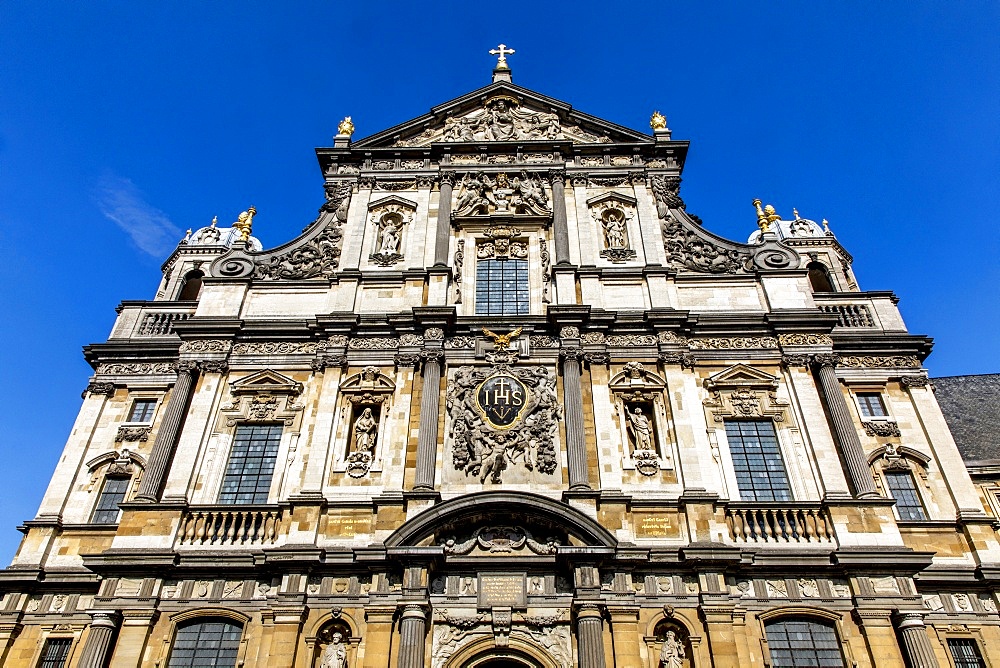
point(519, 653)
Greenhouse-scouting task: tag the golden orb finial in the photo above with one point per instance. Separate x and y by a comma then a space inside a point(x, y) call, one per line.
point(244, 223)
point(346, 127)
point(762, 221)
point(658, 121)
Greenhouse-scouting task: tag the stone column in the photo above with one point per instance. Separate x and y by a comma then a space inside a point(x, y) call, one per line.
point(412, 630)
point(430, 402)
point(559, 225)
point(166, 438)
point(589, 636)
point(443, 233)
point(98, 646)
point(916, 644)
point(576, 440)
point(843, 427)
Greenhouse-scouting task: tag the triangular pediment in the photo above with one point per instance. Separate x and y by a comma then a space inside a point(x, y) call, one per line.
point(266, 382)
point(741, 375)
point(502, 112)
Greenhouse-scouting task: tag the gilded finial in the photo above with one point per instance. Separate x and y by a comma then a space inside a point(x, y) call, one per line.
point(244, 223)
point(658, 121)
point(761, 217)
point(502, 51)
point(346, 127)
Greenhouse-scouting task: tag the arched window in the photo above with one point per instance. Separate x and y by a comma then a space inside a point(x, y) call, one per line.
point(801, 641)
point(206, 642)
point(192, 286)
point(819, 277)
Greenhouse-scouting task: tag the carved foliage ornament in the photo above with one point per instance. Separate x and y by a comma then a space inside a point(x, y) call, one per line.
point(500, 539)
point(503, 417)
point(502, 244)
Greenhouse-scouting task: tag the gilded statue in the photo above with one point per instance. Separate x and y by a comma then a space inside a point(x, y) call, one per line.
point(501, 341)
point(244, 223)
point(346, 127)
point(658, 121)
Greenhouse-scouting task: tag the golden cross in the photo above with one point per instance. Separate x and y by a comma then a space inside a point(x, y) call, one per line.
point(501, 51)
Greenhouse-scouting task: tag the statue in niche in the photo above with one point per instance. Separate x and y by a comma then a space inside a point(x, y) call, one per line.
point(640, 428)
point(614, 230)
point(365, 432)
point(335, 654)
point(672, 651)
point(389, 241)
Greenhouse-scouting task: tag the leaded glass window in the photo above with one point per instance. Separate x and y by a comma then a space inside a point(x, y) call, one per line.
point(502, 287)
point(965, 653)
point(760, 472)
point(142, 410)
point(251, 464)
point(55, 653)
point(214, 643)
point(902, 488)
point(872, 405)
point(112, 493)
point(803, 642)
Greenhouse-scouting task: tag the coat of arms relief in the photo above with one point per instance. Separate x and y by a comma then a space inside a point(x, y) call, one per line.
point(503, 419)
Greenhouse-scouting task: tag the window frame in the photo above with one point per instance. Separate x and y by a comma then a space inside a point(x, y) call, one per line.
point(225, 473)
point(200, 617)
point(502, 264)
point(827, 620)
point(66, 659)
point(886, 475)
point(97, 504)
point(974, 636)
point(131, 410)
point(862, 410)
point(743, 493)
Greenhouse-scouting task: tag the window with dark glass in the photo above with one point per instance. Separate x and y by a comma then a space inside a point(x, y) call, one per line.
point(902, 488)
point(803, 642)
point(55, 652)
point(251, 464)
point(965, 653)
point(112, 493)
point(872, 405)
point(192, 286)
point(213, 642)
point(760, 472)
point(502, 287)
point(142, 410)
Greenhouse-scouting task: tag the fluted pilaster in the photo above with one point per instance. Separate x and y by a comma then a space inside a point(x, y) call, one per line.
point(443, 233)
point(98, 646)
point(576, 441)
point(916, 644)
point(843, 427)
point(430, 402)
point(166, 438)
point(412, 629)
point(590, 636)
point(560, 226)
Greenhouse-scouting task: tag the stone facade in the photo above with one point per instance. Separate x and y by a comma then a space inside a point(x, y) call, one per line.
point(554, 477)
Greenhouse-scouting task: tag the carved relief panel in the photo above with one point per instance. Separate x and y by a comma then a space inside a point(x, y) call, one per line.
point(643, 419)
point(390, 218)
point(362, 421)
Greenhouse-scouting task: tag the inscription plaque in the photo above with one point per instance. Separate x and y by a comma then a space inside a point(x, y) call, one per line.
point(506, 590)
point(501, 399)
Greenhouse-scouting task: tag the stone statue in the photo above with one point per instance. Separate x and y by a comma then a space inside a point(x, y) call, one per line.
point(364, 432)
point(672, 652)
point(389, 243)
point(614, 230)
point(335, 654)
point(642, 431)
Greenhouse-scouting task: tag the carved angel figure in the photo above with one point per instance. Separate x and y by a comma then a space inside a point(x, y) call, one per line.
point(672, 652)
point(335, 654)
point(530, 194)
point(472, 196)
point(364, 432)
point(642, 431)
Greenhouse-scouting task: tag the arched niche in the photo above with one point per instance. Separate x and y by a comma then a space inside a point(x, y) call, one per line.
point(520, 652)
point(671, 626)
point(325, 633)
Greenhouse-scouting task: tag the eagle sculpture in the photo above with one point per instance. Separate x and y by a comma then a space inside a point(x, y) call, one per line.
point(503, 340)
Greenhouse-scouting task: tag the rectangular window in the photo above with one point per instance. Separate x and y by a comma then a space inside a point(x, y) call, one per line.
point(251, 464)
point(760, 472)
point(113, 493)
point(871, 405)
point(902, 488)
point(502, 287)
point(55, 653)
point(142, 410)
point(965, 652)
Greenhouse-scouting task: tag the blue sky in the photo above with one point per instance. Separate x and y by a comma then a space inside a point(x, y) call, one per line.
point(123, 123)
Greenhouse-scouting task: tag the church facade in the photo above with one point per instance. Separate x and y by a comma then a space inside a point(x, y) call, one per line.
point(507, 402)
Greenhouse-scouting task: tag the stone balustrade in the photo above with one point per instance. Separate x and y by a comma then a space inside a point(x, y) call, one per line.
point(230, 526)
point(160, 323)
point(778, 523)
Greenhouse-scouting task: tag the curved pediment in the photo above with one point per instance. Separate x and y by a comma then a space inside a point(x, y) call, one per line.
point(486, 522)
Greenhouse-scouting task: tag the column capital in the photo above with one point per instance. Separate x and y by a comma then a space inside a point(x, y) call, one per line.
point(213, 366)
point(571, 354)
point(407, 360)
point(324, 362)
point(96, 388)
point(825, 360)
point(909, 619)
point(557, 176)
point(589, 610)
point(186, 366)
point(109, 618)
point(413, 611)
point(447, 178)
point(914, 381)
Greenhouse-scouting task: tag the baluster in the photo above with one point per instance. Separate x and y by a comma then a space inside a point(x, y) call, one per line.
point(808, 517)
point(202, 529)
point(275, 525)
point(231, 519)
